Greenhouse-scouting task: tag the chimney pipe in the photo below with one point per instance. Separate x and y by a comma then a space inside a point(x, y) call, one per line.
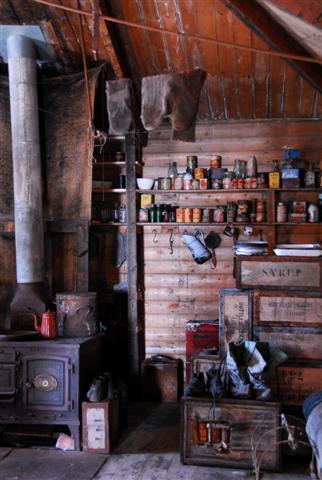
point(29, 234)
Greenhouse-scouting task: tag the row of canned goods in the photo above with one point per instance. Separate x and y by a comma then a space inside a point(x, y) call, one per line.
point(232, 212)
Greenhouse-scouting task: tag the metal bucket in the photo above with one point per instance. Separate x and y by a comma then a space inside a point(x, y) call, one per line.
point(76, 314)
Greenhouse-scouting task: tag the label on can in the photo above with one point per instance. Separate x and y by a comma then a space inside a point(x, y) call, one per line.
point(179, 215)
point(187, 215)
point(196, 215)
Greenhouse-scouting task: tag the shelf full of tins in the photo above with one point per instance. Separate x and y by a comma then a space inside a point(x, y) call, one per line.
point(259, 207)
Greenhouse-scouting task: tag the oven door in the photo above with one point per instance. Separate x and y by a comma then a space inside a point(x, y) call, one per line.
point(7, 383)
point(45, 381)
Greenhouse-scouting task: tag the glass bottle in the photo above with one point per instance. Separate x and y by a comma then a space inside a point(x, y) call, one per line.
point(172, 170)
point(122, 213)
point(274, 177)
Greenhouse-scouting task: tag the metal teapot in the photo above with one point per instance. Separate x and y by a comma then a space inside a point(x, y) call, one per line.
point(48, 326)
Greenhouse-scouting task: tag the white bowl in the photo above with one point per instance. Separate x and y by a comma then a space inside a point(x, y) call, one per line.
point(145, 183)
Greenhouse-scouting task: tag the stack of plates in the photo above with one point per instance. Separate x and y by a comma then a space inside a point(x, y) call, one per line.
point(255, 247)
point(299, 250)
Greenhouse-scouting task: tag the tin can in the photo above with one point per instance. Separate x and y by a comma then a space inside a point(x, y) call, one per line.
point(203, 183)
point(281, 212)
point(261, 180)
point(192, 163)
point(219, 214)
point(143, 215)
point(165, 212)
point(216, 162)
point(199, 173)
point(187, 215)
point(248, 183)
point(196, 215)
point(164, 183)
point(195, 184)
point(177, 183)
point(260, 206)
point(240, 183)
point(172, 215)
point(312, 213)
point(254, 182)
point(216, 184)
point(260, 217)
point(234, 184)
point(179, 215)
point(206, 215)
point(226, 183)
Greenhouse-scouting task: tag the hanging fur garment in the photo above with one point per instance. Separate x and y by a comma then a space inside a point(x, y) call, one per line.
point(176, 96)
point(119, 106)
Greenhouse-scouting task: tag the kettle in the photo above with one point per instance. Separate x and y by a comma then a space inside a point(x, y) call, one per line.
point(196, 245)
point(48, 326)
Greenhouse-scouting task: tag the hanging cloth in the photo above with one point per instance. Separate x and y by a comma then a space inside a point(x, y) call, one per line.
point(119, 106)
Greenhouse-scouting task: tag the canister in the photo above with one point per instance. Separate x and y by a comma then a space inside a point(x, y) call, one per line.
point(216, 184)
point(165, 183)
point(199, 173)
point(216, 161)
point(203, 183)
point(248, 183)
point(187, 215)
point(205, 215)
point(177, 183)
point(179, 215)
point(240, 183)
point(312, 213)
point(195, 184)
point(226, 183)
point(219, 214)
point(143, 215)
point(281, 212)
point(196, 215)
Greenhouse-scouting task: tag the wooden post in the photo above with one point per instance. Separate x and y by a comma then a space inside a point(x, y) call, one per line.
point(132, 276)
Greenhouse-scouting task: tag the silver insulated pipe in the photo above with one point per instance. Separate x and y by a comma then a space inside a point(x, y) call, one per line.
point(29, 235)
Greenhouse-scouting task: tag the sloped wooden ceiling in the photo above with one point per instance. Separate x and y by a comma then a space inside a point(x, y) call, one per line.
point(241, 84)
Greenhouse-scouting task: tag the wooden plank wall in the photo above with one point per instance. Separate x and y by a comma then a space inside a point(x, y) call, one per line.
point(177, 289)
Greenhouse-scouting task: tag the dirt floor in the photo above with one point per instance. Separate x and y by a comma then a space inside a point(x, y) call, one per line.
point(148, 449)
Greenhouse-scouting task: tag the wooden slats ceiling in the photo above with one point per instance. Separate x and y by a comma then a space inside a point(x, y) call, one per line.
point(240, 84)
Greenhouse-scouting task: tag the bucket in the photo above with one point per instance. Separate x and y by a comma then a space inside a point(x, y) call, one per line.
point(76, 314)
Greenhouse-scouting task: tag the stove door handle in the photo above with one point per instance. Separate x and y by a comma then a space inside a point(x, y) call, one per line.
point(28, 385)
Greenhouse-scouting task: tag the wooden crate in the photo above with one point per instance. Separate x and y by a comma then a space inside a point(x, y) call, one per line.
point(299, 343)
point(279, 273)
point(292, 383)
point(162, 381)
point(298, 309)
point(201, 362)
point(100, 424)
point(235, 317)
point(204, 423)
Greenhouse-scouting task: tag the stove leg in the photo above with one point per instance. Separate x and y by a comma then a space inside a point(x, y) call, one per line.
point(75, 433)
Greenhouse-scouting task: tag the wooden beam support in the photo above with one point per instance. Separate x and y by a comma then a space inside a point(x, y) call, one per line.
point(259, 21)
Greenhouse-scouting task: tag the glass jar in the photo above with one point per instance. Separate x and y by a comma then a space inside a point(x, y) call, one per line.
point(312, 213)
point(122, 213)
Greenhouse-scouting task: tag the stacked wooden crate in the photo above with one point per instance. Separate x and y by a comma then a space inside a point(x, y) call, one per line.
point(286, 312)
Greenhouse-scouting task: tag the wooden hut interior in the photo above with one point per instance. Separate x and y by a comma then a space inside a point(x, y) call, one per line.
point(160, 239)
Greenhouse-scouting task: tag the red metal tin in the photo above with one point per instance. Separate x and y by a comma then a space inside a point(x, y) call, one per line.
point(200, 334)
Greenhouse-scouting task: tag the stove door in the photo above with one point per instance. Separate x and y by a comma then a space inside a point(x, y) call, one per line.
point(45, 382)
point(7, 382)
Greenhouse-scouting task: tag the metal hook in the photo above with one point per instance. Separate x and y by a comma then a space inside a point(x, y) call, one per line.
point(171, 240)
point(155, 236)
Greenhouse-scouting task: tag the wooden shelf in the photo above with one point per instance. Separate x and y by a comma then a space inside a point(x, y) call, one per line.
point(114, 164)
point(235, 224)
point(108, 190)
point(222, 190)
point(108, 225)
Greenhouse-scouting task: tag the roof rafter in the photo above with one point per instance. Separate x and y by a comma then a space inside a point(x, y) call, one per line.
point(258, 19)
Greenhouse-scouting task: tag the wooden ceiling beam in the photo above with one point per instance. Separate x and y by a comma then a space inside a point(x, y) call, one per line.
point(259, 21)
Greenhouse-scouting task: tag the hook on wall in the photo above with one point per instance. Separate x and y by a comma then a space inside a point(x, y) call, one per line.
point(155, 240)
point(171, 240)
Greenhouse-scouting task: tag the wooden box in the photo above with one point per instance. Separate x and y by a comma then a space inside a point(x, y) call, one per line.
point(235, 317)
point(292, 383)
point(300, 343)
point(220, 433)
point(279, 273)
point(278, 309)
point(100, 424)
point(201, 362)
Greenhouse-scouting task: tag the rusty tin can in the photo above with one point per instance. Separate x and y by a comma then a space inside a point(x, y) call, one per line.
point(187, 215)
point(179, 215)
point(196, 215)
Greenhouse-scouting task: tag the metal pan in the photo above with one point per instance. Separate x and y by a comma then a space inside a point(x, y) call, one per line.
point(11, 335)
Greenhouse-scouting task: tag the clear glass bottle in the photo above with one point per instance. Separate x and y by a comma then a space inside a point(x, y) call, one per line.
point(172, 170)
